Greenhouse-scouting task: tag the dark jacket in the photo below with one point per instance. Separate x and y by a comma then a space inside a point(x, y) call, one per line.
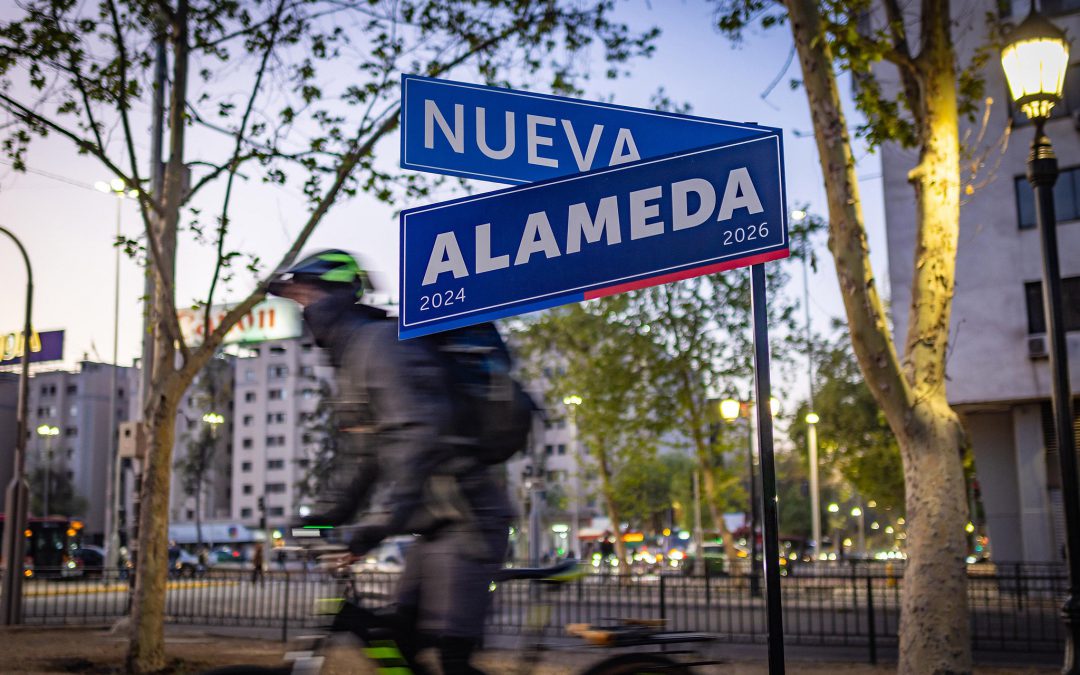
point(394, 409)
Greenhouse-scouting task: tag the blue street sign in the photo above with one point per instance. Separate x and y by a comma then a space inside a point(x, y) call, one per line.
point(513, 137)
point(589, 235)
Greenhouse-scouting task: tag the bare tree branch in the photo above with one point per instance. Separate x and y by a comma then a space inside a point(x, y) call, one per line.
point(223, 223)
point(900, 55)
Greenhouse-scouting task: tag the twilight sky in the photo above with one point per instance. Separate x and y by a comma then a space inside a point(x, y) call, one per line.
point(68, 227)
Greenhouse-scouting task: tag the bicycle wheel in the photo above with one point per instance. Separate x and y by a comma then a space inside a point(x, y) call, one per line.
point(638, 664)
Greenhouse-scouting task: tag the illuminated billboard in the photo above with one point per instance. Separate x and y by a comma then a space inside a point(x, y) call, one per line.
point(45, 346)
point(271, 319)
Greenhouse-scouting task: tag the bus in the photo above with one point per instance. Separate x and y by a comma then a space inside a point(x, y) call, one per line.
point(50, 541)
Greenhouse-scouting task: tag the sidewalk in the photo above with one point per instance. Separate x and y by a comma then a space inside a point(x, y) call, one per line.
point(82, 650)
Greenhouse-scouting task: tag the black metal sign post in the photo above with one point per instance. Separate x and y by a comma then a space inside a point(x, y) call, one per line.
point(771, 522)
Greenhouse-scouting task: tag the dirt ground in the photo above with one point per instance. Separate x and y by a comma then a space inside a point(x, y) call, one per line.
point(80, 650)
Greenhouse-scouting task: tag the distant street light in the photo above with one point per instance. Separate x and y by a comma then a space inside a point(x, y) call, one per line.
point(834, 508)
point(731, 410)
point(119, 189)
point(1035, 60)
point(47, 432)
point(572, 402)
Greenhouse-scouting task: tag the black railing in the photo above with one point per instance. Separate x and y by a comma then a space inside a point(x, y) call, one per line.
point(1013, 608)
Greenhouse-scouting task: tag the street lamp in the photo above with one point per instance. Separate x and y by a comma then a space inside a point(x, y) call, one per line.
point(118, 188)
point(572, 402)
point(47, 432)
point(731, 410)
point(1035, 58)
point(16, 495)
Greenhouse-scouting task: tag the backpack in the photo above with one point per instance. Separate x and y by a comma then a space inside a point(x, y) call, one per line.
point(492, 411)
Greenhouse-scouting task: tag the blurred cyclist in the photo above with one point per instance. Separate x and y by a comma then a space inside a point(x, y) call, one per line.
point(396, 465)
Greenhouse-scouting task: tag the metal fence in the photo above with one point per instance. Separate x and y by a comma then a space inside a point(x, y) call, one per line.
point(1013, 608)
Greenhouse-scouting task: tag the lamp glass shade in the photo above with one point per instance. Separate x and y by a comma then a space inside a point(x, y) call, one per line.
point(1035, 60)
point(729, 409)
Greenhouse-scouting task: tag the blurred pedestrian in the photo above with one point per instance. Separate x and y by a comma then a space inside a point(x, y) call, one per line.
point(258, 564)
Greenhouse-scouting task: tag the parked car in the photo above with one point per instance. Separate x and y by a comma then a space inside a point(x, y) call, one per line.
point(389, 556)
point(90, 560)
point(183, 564)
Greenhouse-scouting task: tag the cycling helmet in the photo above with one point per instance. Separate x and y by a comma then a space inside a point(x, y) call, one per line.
point(333, 269)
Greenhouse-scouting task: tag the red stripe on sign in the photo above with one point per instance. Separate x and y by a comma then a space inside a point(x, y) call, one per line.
point(687, 274)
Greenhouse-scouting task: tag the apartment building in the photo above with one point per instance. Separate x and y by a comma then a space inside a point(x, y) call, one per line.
point(276, 394)
point(998, 373)
point(71, 418)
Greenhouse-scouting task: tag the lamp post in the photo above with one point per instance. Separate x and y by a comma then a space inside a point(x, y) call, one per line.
point(815, 485)
point(118, 188)
point(572, 402)
point(47, 432)
point(731, 410)
point(798, 216)
point(16, 496)
point(1035, 58)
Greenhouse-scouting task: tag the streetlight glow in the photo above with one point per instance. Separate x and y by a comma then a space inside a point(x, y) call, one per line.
point(46, 430)
point(1035, 58)
point(798, 215)
point(812, 418)
point(730, 409)
point(212, 418)
point(856, 512)
point(834, 508)
point(573, 399)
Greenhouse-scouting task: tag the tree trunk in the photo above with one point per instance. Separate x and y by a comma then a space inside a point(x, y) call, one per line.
point(146, 649)
point(934, 620)
point(934, 609)
point(714, 510)
point(612, 509)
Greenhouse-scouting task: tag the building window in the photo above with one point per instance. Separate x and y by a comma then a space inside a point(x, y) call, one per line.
point(309, 393)
point(245, 513)
point(303, 463)
point(275, 488)
point(278, 350)
point(73, 389)
point(1066, 198)
point(245, 467)
point(275, 418)
point(277, 394)
point(249, 397)
point(275, 441)
point(277, 511)
point(277, 372)
point(1070, 303)
point(1059, 7)
point(275, 464)
point(306, 347)
point(562, 449)
point(246, 444)
point(247, 489)
point(71, 431)
point(249, 420)
point(307, 371)
point(549, 449)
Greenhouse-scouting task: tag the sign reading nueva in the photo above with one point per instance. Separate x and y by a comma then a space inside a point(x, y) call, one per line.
point(513, 137)
point(708, 196)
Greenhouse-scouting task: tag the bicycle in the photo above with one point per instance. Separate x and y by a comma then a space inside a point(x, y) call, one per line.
point(376, 632)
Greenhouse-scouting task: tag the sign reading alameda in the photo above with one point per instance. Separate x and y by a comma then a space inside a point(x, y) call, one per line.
point(613, 199)
point(589, 235)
